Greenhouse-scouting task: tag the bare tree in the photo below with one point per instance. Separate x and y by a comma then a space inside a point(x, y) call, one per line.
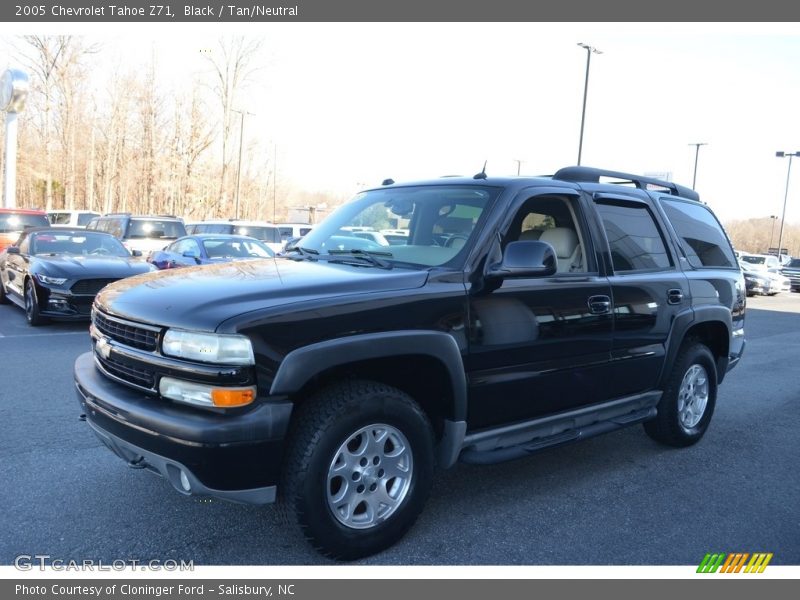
point(150, 110)
point(55, 62)
point(196, 136)
point(233, 67)
point(115, 128)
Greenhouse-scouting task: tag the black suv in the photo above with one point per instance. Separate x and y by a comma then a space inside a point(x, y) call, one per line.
point(521, 313)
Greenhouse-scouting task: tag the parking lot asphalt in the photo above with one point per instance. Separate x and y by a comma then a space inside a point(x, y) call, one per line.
point(619, 499)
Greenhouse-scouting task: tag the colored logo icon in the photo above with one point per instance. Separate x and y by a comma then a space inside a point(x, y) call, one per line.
point(735, 562)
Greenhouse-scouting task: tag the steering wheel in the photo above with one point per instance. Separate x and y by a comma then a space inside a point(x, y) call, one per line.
point(100, 250)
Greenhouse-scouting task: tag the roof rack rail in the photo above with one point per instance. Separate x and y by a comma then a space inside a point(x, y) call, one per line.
point(589, 174)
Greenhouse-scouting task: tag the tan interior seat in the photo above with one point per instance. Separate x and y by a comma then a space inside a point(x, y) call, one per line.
point(565, 242)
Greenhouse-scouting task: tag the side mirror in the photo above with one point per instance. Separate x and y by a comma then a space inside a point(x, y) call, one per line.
point(12, 250)
point(193, 255)
point(136, 252)
point(525, 259)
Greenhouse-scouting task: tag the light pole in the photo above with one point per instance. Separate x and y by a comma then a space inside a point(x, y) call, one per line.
point(772, 232)
point(696, 155)
point(239, 167)
point(589, 50)
point(785, 196)
point(13, 92)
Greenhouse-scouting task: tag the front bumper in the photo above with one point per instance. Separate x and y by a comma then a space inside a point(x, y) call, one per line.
point(58, 304)
point(761, 287)
point(233, 456)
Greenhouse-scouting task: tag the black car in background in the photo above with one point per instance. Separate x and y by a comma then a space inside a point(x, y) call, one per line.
point(56, 272)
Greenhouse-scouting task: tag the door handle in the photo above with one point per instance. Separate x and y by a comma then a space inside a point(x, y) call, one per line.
point(599, 305)
point(674, 296)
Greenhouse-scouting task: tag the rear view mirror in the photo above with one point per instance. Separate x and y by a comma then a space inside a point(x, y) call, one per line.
point(402, 207)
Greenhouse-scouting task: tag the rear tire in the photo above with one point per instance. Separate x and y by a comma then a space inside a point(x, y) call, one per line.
point(358, 469)
point(687, 405)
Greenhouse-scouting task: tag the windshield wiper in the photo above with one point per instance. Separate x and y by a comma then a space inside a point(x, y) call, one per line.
point(371, 256)
point(308, 253)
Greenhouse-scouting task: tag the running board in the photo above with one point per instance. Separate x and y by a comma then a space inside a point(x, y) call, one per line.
point(522, 439)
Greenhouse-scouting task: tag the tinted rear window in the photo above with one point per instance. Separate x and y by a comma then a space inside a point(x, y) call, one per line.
point(634, 239)
point(271, 235)
point(84, 218)
point(155, 229)
point(16, 222)
point(701, 236)
point(213, 228)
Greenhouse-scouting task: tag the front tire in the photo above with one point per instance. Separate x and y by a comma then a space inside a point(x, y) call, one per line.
point(32, 312)
point(359, 468)
point(690, 395)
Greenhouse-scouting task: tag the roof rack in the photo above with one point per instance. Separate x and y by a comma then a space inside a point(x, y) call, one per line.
point(588, 174)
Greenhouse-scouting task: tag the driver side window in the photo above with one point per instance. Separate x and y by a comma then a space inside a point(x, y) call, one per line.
point(551, 219)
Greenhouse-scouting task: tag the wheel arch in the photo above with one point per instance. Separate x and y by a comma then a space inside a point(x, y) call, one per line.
point(427, 365)
point(710, 326)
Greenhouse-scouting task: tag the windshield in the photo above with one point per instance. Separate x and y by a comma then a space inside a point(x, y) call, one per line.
point(236, 248)
point(440, 220)
point(754, 260)
point(84, 244)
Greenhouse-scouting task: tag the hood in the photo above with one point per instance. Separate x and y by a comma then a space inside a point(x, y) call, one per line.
point(88, 267)
point(200, 298)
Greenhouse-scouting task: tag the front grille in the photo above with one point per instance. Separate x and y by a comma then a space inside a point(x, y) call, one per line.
point(90, 287)
point(125, 332)
point(137, 376)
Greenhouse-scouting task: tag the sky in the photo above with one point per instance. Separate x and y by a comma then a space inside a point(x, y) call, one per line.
point(346, 105)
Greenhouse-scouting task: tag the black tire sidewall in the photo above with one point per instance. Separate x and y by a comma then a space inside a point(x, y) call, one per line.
point(32, 316)
point(314, 514)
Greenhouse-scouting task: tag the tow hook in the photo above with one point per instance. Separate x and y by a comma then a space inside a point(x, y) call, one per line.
point(137, 463)
point(82, 417)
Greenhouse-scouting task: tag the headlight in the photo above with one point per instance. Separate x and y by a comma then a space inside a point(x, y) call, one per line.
point(208, 347)
point(47, 280)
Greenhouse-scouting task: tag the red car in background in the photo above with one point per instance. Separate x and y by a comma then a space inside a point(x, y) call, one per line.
point(14, 221)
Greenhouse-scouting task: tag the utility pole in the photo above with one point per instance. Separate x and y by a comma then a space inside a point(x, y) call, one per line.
point(785, 196)
point(589, 50)
point(696, 154)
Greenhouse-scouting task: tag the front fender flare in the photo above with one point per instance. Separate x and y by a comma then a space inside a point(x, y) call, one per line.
point(302, 364)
